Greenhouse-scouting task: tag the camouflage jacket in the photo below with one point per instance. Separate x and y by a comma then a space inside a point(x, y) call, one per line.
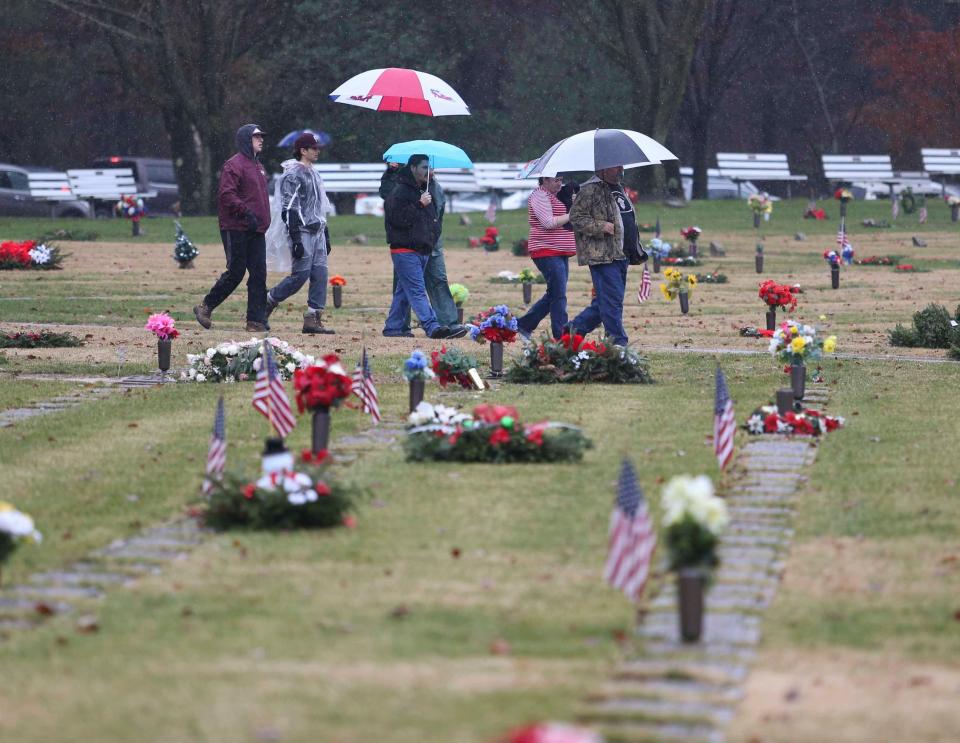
point(594, 205)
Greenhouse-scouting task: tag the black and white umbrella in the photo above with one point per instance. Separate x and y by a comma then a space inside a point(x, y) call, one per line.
point(598, 149)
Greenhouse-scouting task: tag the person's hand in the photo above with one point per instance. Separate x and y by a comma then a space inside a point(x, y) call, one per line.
point(297, 250)
point(609, 228)
point(252, 223)
point(426, 199)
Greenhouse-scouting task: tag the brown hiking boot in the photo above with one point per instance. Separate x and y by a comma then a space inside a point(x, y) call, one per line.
point(255, 327)
point(313, 323)
point(202, 313)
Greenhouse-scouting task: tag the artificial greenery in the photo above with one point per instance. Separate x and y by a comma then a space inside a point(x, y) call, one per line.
point(578, 360)
point(712, 278)
point(689, 544)
point(71, 234)
point(43, 339)
point(236, 502)
point(931, 329)
point(473, 444)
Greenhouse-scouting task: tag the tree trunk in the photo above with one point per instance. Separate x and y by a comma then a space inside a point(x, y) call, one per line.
point(701, 159)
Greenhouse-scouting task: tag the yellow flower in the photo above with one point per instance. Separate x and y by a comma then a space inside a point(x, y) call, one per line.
point(691, 279)
point(830, 344)
point(794, 330)
point(665, 292)
point(797, 344)
point(4, 506)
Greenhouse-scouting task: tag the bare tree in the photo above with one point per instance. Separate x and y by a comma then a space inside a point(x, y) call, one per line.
point(189, 59)
point(652, 41)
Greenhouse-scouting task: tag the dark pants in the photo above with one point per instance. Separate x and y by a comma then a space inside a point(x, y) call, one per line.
point(610, 282)
point(246, 252)
point(555, 270)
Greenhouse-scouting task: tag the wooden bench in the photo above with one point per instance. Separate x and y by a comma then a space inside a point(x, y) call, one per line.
point(862, 168)
point(941, 162)
point(756, 166)
point(51, 187)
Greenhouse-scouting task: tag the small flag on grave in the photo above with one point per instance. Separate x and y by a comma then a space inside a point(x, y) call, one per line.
point(632, 537)
point(269, 396)
point(724, 422)
point(217, 452)
point(363, 388)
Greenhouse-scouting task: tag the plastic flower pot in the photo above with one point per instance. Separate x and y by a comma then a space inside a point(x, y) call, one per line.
point(758, 261)
point(798, 380)
point(136, 227)
point(835, 276)
point(693, 249)
point(756, 220)
point(684, 302)
point(417, 387)
point(337, 296)
point(320, 430)
point(460, 315)
point(163, 355)
point(771, 319)
point(527, 292)
point(955, 213)
point(496, 359)
point(784, 401)
point(656, 263)
point(691, 584)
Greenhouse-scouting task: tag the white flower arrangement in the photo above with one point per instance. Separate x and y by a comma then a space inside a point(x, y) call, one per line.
point(694, 496)
point(297, 485)
point(15, 527)
point(238, 362)
point(436, 417)
point(40, 255)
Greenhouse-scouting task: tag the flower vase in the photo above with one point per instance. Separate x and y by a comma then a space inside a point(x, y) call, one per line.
point(337, 296)
point(656, 263)
point(496, 359)
point(163, 355)
point(684, 302)
point(527, 292)
point(843, 209)
point(955, 213)
point(756, 220)
point(835, 275)
point(417, 387)
point(186, 264)
point(691, 585)
point(798, 380)
point(136, 227)
point(693, 249)
point(771, 319)
point(758, 261)
point(460, 315)
point(784, 401)
point(320, 430)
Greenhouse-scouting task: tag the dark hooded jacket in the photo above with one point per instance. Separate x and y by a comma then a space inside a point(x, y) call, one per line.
point(410, 225)
point(243, 187)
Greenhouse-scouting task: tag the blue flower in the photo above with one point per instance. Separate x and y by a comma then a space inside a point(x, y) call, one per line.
point(502, 309)
point(474, 331)
point(416, 361)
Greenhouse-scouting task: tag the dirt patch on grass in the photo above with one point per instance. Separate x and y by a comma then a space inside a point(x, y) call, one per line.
point(846, 697)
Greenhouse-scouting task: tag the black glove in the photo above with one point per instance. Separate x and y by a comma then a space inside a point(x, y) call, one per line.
point(297, 249)
point(326, 237)
point(252, 223)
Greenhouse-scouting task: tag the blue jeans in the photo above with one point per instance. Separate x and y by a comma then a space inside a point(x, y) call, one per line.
point(311, 265)
point(410, 292)
point(438, 290)
point(610, 282)
point(555, 270)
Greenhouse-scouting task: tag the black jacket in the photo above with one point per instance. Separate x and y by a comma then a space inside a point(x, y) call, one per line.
point(410, 225)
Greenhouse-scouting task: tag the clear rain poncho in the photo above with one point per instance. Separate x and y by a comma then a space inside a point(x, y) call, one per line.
point(299, 196)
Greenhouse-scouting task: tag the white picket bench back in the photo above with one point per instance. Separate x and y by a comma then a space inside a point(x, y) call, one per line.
point(756, 166)
point(109, 183)
point(858, 168)
point(350, 177)
point(941, 162)
point(51, 186)
point(501, 177)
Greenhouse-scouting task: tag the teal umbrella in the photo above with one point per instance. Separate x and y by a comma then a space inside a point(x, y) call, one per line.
point(441, 154)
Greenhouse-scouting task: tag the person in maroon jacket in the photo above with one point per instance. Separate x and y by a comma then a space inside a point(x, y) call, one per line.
point(244, 211)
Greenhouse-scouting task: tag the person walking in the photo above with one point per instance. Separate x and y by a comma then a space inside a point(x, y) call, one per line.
point(243, 210)
point(303, 207)
point(550, 246)
point(598, 229)
point(412, 223)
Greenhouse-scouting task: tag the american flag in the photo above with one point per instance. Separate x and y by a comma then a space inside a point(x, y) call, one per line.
point(922, 215)
point(632, 537)
point(643, 293)
point(363, 388)
point(724, 422)
point(217, 453)
point(269, 396)
point(842, 241)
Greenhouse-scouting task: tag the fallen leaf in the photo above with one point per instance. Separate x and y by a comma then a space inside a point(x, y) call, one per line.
point(44, 609)
point(87, 624)
point(455, 553)
point(500, 647)
point(399, 612)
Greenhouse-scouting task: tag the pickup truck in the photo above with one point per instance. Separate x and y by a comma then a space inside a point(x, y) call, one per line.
point(16, 199)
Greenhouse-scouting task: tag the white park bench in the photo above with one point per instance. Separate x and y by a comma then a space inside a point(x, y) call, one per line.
point(350, 177)
point(108, 184)
point(51, 187)
point(941, 162)
point(756, 166)
point(860, 169)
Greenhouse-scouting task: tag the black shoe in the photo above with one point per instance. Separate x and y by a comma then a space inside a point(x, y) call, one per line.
point(439, 333)
point(397, 335)
point(457, 331)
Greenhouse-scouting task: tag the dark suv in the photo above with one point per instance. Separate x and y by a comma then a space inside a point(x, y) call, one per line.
point(16, 199)
point(152, 174)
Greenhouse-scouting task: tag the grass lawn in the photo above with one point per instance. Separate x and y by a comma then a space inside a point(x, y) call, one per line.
point(470, 599)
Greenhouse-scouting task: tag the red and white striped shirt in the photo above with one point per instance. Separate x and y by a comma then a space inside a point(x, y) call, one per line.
point(546, 238)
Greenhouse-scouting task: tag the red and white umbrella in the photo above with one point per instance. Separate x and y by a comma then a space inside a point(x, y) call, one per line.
point(399, 89)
